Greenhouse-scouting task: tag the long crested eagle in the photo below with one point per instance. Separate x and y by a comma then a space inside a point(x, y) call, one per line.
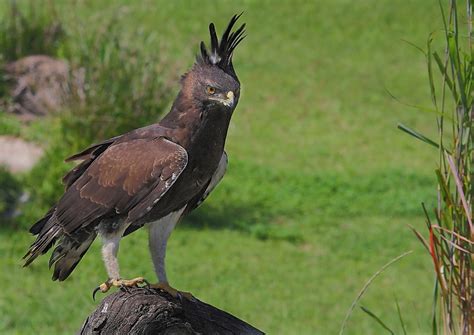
point(149, 176)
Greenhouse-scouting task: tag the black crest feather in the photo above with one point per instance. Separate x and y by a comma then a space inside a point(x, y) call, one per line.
point(220, 53)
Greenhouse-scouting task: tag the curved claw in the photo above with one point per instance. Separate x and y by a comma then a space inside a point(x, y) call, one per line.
point(104, 287)
point(179, 296)
point(124, 288)
point(97, 289)
point(147, 286)
point(123, 284)
point(149, 290)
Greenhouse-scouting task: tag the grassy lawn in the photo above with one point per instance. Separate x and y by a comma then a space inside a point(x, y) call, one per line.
point(321, 185)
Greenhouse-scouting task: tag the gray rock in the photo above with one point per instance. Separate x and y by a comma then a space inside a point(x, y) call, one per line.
point(38, 85)
point(17, 155)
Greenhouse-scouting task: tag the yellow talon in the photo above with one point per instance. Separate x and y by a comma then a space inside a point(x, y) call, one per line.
point(164, 286)
point(128, 282)
point(104, 287)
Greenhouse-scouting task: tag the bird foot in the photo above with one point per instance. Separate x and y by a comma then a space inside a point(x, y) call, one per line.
point(172, 291)
point(121, 283)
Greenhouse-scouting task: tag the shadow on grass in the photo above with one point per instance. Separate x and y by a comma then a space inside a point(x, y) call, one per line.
point(243, 217)
point(223, 217)
point(267, 202)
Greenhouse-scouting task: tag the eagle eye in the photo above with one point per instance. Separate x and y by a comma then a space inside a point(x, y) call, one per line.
point(211, 90)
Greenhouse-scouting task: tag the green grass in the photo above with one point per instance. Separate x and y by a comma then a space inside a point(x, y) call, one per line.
point(22, 25)
point(321, 185)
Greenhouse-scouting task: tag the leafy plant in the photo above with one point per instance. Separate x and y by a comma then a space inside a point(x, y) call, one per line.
point(125, 85)
point(450, 240)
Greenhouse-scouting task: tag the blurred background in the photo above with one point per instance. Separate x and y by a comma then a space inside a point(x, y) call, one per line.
point(321, 186)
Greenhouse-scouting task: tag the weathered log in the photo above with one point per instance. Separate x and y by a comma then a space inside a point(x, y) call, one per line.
point(150, 311)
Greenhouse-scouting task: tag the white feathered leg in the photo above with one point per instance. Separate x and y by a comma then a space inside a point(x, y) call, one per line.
point(160, 231)
point(110, 247)
point(111, 234)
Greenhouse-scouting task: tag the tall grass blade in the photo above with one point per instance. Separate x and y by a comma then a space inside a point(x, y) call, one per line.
point(443, 70)
point(454, 245)
point(454, 234)
point(430, 70)
point(444, 188)
point(417, 135)
point(419, 107)
point(434, 321)
point(455, 174)
point(366, 286)
point(400, 317)
point(420, 237)
point(376, 318)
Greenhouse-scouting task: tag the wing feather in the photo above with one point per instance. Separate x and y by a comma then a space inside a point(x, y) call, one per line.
point(91, 153)
point(128, 177)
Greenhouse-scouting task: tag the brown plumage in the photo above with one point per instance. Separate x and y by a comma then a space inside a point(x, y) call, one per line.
point(150, 173)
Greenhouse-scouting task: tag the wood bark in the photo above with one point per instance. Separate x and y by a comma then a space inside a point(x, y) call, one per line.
point(150, 311)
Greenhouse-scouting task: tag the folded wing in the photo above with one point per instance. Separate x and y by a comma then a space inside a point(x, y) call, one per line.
point(126, 180)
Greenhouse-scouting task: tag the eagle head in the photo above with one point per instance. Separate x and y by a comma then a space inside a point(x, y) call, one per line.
point(213, 88)
point(212, 80)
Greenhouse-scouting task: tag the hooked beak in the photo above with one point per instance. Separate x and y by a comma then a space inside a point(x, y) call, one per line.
point(229, 101)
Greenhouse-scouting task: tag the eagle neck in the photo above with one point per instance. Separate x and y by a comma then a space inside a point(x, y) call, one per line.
point(211, 134)
point(196, 126)
point(182, 112)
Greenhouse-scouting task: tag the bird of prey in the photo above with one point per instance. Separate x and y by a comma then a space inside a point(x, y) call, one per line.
point(151, 176)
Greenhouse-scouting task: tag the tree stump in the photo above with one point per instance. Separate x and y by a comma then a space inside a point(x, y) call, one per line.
point(150, 311)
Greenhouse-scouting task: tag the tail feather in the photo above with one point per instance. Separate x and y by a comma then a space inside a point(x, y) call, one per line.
point(69, 249)
point(69, 252)
point(38, 226)
point(48, 232)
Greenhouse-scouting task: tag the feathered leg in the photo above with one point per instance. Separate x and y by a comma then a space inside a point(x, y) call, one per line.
point(110, 247)
point(160, 231)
